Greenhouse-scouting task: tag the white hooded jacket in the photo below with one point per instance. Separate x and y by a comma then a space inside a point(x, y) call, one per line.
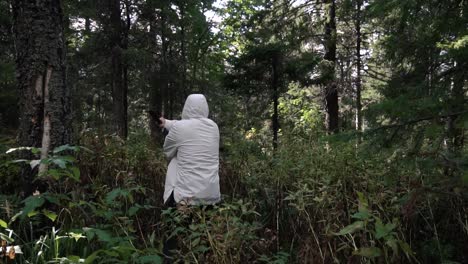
point(192, 145)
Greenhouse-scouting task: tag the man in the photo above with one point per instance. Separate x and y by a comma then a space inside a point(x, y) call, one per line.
point(192, 146)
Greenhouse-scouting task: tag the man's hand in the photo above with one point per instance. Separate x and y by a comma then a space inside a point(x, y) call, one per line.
point(162, 122)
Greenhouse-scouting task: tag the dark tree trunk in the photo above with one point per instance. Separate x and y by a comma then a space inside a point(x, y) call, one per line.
point(455, 127)
point(164, 65)
point(331, 91)
point(171, 84)
point(358, 66)
point(40, 64)
point(183, 52)
point(276, 82)
point(155, 94)
point(118, 69)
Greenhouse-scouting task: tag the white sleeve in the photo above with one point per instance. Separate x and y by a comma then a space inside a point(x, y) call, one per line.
point(169, 123)
point(171, 143)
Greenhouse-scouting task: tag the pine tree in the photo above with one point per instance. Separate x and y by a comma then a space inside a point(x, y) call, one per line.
point(44, 102)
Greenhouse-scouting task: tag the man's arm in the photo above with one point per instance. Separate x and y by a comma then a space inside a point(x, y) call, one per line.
point(169, 123)
point(171, 142)
point(166, 123)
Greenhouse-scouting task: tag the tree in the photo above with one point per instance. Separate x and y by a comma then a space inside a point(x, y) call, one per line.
point(8, 90)
point(422, 57)
point(119, 82)
point(40, 65)
point(331, 89)
point(357, 23)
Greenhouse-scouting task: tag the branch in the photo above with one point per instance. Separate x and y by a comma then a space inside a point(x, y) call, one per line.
point(414, 121)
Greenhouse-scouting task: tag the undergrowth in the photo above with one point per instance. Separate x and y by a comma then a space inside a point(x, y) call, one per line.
point(310, 201)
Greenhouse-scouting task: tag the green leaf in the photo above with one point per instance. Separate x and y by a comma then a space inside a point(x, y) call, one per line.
point(465, 178)
point(66, 158)
point(86, 149)
point(196, 242)
point(64, 147)
point(3, 224)
point(405, 247)
point(54, 173)
point(393, 244)
point(76, 236)
point(31, 203)
point(20, 213)
point(32, 213)
point(60, 162)
point(111, 253)
point(363, 203)
point(89, 234)
point(150, 259)
point(364, 215)
point(74, 259)
point(368, 252)
point(102, 235)
point(35, 150)
point(51, 215)
point(54, 198)
point(110, 197)
point(382, 230)
point(90, 259)
point(201, 249)
point(351, 228)
point(6, 238)
point(76, 173)
point(133, 210)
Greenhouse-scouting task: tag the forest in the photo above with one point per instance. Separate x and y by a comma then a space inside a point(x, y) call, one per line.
point(342, 125)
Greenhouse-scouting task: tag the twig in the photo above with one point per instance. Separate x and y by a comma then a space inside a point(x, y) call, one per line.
point(410, 122)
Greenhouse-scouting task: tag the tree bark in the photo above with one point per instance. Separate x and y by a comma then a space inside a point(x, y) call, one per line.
point(45, 119)
point(456, 129)
point(358, 66)
point(118, 69)
point(184, 92)
point(156, 89)
point(331, 91)
point(276, 75)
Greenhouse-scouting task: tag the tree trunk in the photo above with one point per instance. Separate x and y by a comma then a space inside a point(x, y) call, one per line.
point(184, 92)
point(164, 64)
point(118, 70)
point(40, 64)
point(456, 129)
point(276, 75)
point(155, 104)
point(331, 91)
point(358, 66)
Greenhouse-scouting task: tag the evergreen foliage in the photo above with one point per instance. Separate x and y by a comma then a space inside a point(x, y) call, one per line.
point(390, 186)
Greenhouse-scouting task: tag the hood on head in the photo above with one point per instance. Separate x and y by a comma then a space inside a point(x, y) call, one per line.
point(195, 107)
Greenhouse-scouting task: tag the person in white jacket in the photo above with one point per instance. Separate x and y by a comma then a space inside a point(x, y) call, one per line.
point(192, 146)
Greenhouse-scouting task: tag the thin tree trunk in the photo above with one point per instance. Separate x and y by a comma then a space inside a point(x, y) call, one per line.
point(183, 53)
point(118, 82)
point(171, 83)
point(456, 129)
point(40, 65)
point(155, 103)
point(276, 72)
point(331, 91)
point(164, 65)
point(358, 66)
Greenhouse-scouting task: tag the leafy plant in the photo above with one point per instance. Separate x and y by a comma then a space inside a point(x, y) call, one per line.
point(225, 233)
point(383, 238)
